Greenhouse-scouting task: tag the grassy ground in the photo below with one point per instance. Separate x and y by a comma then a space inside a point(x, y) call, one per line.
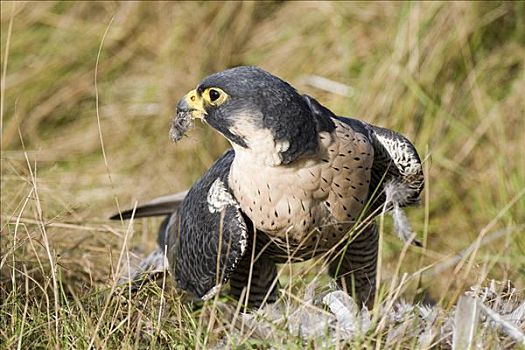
point(450, 76)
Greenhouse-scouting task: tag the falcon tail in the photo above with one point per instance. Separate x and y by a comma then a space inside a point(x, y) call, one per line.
point(160, 206)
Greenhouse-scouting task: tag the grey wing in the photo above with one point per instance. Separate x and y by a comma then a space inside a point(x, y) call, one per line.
point(396, 168)
point(207, 236)
point(397, 177)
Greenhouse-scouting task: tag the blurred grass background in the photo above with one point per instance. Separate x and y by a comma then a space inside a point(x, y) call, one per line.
point(450, 76)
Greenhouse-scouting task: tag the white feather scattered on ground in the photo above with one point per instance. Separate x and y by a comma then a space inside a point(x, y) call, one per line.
point(466, 320)
point(155, 263)
point(333, 317)
point(495, 313)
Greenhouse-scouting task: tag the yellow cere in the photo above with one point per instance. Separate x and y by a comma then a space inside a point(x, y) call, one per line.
point(212, 96)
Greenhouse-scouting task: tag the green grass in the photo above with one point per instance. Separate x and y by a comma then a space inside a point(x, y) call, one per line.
point(450, 76)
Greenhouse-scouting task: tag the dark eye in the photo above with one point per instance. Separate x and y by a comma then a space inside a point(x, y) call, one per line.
point(214, 95)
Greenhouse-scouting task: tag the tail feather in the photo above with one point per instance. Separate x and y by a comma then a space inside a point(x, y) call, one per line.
point(157, 207)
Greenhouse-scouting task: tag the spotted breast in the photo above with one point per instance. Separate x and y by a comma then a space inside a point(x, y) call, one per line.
point(311, 203)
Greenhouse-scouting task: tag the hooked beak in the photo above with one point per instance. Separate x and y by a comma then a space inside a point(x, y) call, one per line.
point(191, 103)
point(189, 108)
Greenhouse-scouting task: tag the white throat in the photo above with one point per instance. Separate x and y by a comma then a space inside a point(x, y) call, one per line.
point(262, 149)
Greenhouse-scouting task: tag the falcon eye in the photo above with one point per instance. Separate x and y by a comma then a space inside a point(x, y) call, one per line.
point(214, 95)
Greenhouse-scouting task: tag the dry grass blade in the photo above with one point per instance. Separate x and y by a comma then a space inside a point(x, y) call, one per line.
point(327, 85)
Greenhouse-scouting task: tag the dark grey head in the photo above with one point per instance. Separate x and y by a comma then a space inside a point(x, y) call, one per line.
point(252, 107)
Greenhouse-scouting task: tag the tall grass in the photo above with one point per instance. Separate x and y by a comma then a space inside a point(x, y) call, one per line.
point(450, 76)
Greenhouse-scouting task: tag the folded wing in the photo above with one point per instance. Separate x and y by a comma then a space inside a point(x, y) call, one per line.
point(205, 235)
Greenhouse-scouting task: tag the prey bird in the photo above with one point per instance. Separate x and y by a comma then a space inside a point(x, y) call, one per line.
point(298, 182)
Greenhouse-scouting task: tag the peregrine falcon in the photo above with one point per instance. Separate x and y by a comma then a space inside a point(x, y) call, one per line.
point(298, 182)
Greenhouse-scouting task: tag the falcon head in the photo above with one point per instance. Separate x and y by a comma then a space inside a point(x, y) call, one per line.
point(257, 112)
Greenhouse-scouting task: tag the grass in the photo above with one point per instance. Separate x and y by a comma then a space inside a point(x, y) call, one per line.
point(450, 76)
